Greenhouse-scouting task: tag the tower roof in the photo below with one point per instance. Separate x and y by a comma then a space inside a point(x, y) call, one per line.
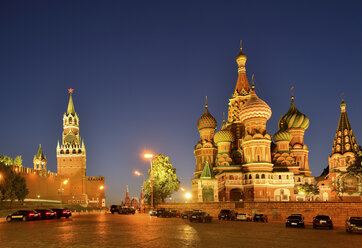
point(40, 154)
point(242, 87)
point(294, 118)
point(207, 172)
point(344, 140)
point(206, 120)
point(255, 107)
point(70, 109)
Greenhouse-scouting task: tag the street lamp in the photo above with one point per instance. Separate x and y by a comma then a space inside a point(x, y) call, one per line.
point(61, 190)
point(150, 156)
point(187, 196)
point(98, 193)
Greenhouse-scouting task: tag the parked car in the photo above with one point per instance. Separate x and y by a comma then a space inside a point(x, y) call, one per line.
point(186, 214)
point(153, 213)
point(175, 213)
point(227, 214)
point(115, 208)
point(244, 217)
point(62, 212)
point(200, 217)
point(260, 218)
point(322, 221)
point(354, 224)
point(24, 215)
point(46, 214)
point(126, 210)
point(295, 220)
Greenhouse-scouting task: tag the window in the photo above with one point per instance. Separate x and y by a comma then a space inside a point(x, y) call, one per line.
point(246, 177)
point(280, 177)
point(262, 176)
point(67, 152)
point(249, 176)
point(257, 176)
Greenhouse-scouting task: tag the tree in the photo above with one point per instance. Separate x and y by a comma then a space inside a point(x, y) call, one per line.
point(309, 190)
point(18, 161)
point(165, 180)
point(6, 160)
point(338, 187)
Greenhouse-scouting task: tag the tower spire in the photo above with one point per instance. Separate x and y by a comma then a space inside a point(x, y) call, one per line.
point(70, 109)
point(242, 87)
point(206, 102)
point(292, 93)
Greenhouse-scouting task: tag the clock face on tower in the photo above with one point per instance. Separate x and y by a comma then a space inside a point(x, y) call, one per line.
point(70, 138)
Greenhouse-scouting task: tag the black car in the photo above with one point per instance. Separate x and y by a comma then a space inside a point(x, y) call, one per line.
point(23, 215)
point(153, 213)
point(127, 210)
point(200, 217)
point(46, 214)
point(354, 224)
point(260, 218)
point(62, 212)
point(115, 209)
point(186, 214)
point(295, 220)
point(322, 221)
point(227, 214)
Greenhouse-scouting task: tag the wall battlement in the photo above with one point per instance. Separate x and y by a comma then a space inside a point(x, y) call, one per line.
point(95, 178)
point(28, 171)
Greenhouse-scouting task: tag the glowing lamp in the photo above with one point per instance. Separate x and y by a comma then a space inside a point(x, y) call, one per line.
point(188, 195)
point(148, 155)
point(101, 187)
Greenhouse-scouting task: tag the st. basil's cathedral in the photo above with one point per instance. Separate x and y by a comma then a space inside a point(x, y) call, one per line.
point(242, 162)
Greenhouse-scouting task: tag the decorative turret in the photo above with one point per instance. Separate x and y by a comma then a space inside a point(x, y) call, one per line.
point(344, 140)
point(282, 136)
point(206, 125)
point(223, 139)
point(40, 161)
point(242, 87)
point(205, 149)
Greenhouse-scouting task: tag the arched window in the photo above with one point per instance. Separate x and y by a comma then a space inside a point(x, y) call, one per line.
point(74, 151)
point(257, 176)
point(70, 119)
point(231, 177)
point(61, 152)
point(246, 177)
point(287, 177)
point(262, 176)
point(79, 151)
point(67, 152)
point(280, 177)
point(249, 176)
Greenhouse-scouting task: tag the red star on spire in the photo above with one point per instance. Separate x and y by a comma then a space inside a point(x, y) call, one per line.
point(70, 90)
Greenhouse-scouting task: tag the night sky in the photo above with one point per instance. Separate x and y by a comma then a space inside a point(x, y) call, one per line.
point(141, 71)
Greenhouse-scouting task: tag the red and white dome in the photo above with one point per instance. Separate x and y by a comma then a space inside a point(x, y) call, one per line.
point(255, 108)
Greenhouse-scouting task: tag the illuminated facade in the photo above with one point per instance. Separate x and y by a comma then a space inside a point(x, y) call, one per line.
point(240, 161)
point(71, 163)
point(336, 182)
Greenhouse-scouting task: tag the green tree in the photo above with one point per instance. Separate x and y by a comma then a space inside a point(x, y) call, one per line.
point(309, 190)
point(6, 160)
point(338, 187)
point(165, 180)
point(18, 161)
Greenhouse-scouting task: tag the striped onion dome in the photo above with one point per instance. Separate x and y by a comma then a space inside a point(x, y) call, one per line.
point(282, 135)
point(255, 107)
point(224, 135)
point(294, 118)
point(206, 121)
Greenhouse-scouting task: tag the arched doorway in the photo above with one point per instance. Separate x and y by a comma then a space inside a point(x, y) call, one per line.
point(236, 195)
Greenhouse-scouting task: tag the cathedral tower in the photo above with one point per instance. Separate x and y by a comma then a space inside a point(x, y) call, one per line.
point(345, 148)
point(296, 123)
point(40, 161)
point(205, 149)
point(71, 154)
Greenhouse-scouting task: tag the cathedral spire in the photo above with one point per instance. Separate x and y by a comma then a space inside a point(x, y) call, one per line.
point(70, 109)
point(242, 87)
point(344, 140)
point(40, 154)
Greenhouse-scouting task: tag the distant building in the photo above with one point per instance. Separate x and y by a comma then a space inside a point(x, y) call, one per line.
point(241, 161)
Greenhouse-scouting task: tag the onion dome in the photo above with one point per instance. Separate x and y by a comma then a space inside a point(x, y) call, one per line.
point(294, 118)
point(255, 108)
point(282, 135)
point(206, 120)
point(224, 135)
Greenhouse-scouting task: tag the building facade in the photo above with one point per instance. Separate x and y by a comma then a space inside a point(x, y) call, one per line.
point(242, 161)
point(70, 184)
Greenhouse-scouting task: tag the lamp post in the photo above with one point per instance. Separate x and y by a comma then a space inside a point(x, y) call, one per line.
point(98, 193)
point(187, 196)
point(150, 156)
point(61, 191)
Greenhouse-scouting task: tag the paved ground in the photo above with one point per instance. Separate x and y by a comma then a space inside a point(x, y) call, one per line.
point(107, 230)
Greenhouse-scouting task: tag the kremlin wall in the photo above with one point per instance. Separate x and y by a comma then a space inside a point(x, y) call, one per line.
point(70, 184)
